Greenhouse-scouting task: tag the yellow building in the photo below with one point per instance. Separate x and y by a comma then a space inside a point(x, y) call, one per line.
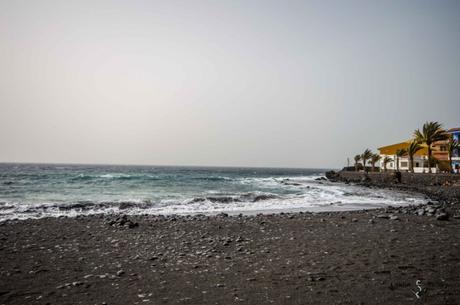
point(420, 157)
point(391, 149)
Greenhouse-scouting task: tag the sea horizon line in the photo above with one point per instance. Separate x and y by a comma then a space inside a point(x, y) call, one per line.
point(165, 165)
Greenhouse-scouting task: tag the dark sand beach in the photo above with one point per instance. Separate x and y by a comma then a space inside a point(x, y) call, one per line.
point(359, 257)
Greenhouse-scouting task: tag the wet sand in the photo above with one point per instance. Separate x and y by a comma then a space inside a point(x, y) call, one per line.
point(360, 257)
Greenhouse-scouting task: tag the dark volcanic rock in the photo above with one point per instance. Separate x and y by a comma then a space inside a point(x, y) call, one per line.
point(263, 197)
point(332, 176)
point(122, 221)
point(223, 199)
point(126, 205)
point(442, 216)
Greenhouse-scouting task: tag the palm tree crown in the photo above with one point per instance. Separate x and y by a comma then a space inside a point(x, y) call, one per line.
point(385, 161)
point(357, 159)
point(412, 149)
point(367, 154)
point(374, 159)
point(431, 132)
point(399, 153)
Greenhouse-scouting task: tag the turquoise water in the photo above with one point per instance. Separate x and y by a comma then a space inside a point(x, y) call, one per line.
point(41, 190)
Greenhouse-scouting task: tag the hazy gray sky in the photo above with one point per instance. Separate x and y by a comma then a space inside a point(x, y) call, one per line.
point(244, 83)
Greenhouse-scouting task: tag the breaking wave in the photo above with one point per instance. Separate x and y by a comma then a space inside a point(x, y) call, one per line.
point(31, 191)
point(316, 198)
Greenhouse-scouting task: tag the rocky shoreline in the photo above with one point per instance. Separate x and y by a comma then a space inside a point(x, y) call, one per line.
point(445, 197)
point(408, 255)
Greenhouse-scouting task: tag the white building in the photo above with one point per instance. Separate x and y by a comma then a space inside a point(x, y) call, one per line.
point(420, 158)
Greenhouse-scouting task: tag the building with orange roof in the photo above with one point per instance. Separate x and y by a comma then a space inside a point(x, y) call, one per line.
point(439, 151)
point(420, 158)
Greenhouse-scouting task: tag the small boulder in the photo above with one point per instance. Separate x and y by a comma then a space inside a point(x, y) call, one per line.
point(442, 216)
point(123, 221)
point(120, 272)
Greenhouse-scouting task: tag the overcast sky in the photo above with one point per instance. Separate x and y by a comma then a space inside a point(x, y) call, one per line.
point(234, 83)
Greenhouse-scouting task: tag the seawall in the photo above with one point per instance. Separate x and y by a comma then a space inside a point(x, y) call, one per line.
point(406, 178)
point(443, 187)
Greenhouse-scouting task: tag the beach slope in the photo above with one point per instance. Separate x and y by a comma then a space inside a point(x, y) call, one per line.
point(361, 257)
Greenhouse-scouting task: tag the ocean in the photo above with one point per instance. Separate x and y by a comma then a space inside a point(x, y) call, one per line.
point(53, 190)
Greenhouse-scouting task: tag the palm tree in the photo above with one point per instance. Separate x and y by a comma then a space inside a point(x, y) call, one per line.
point(431, 132)
point(367, 154)
point(453, 145)
point(357, 159)
point(413, 147)
point(374, 159)
point(385, 161)
point(399, 153)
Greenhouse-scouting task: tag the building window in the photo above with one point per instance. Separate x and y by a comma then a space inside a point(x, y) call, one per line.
point(417, 164)
point(443, 148)
point(404, 164)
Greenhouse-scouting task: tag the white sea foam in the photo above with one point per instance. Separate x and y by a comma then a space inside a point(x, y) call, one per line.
point(293, 194)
